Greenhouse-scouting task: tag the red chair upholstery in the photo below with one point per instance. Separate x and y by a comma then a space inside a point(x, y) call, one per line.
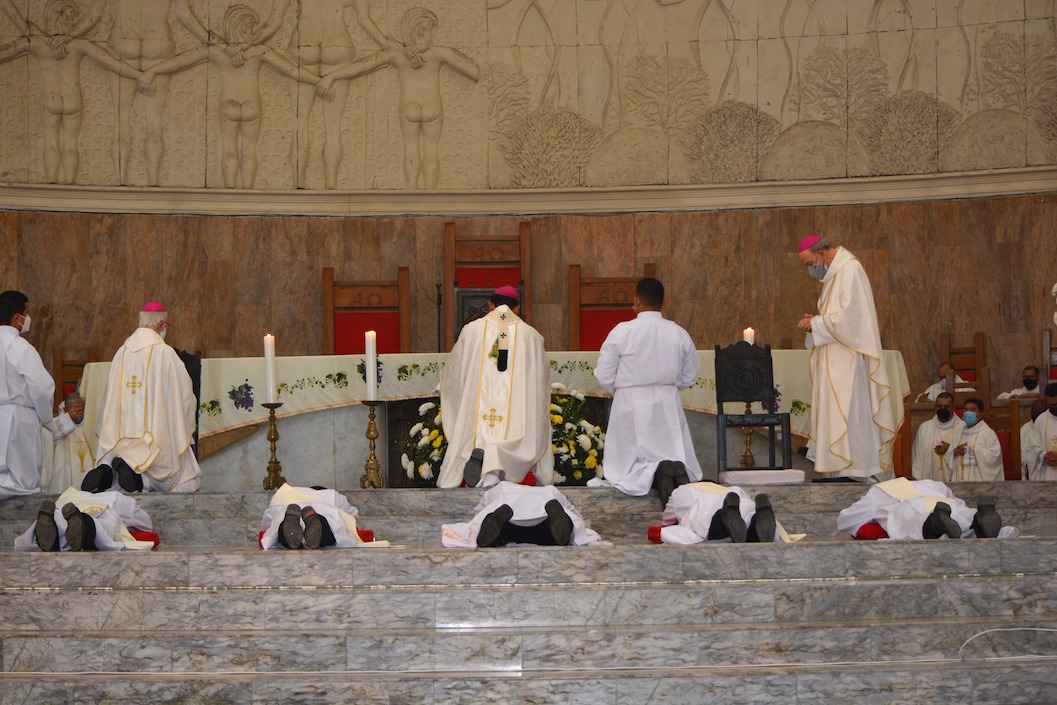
point(597, 305)
point(68, 371)
point(352, 308)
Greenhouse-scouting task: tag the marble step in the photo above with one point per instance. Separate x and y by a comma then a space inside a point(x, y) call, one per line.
point(976, 682)
point(413, 517)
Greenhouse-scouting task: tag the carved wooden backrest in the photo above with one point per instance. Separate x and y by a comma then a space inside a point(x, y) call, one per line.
point(1049, 359)
point(68, 370)
point(970, 363)
point(476, 264)
point(352, 308)
point(598, 304)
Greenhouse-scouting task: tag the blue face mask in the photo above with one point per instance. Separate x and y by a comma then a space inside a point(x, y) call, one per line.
point(970, 418)
point(816, 271)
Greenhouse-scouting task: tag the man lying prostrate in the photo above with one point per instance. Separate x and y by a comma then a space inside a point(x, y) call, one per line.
point(705, 511)
point(919, 509)
point(312, 517)
point(107, 521)
point(509, 513)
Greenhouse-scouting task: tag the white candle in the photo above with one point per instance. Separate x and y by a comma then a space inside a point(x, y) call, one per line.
point(269, 367)
point(749, 336)
point(371, 345)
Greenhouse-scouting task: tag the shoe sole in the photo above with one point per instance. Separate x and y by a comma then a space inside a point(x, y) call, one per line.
point(492, 527)
point(313, 533)
point(74, 527)
point(47, 531)
point(561, 524)
point(292, 533)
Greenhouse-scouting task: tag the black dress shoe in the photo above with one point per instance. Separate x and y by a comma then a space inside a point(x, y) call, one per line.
point(47, 532)
point(471, 471)
point(291, 533)
point(492, 527)
point(727, 522)
point(98, 479)
point(561, 525)
point(940, 522)
point(987, 523)
point(127, 478)
point(76, 529)
point(763, 524)
point(317, 529)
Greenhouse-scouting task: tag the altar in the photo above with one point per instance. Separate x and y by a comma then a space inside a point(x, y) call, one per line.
point(322, 420)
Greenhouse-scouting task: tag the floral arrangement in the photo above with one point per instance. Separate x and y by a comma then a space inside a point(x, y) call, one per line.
point(425, 447)
point(577, 443)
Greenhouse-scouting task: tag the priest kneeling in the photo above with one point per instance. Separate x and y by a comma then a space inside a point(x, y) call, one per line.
point(495, 399)
point(517, 514)
point(920, 509)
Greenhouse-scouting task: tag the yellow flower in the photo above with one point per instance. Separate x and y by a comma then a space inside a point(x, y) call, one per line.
point(437, 441)
point(554, 448)
point(577, 474)
point(591, 462)
point(433, 434)
point(572, 446)
point(556, 419)
point(593, 453)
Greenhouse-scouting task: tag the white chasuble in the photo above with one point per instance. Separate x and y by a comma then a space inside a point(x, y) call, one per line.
point(1043, 440)
point(925, 464)
point(851, 422)
point(504, 412)
point(148, 414)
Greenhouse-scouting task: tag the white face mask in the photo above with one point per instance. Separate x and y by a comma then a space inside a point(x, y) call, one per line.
point(25, 325)
point(163, 332)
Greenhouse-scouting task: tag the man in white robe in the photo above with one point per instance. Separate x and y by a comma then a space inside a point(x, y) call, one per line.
point(934, 438)
point(706, 512)
point(1042, 450)
point(1027, 430)
point(934, 390)
point(68, 453)
point(26, 394)
point(976, 455)
point(495, 400)
point(644, 363)
point(1029, 385)
point(852, 425)
point(101, 521)
point(920, 509)
point(307, 517)
point(509, 513)
point(147, 420)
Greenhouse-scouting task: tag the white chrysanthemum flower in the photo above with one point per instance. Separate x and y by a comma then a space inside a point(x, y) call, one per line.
point(411, 471)
point(425, 471)
point(405, 462)
point(555, 408)
point(587, 426)
point(416, 429)
point(425, 407)
point(574, 462)
point(424, 441)
point(579, 396)
point(557, 385)
point(436, 420)
point(584, 441)
point(558, 478)
point(435, 455)
point(569, 426)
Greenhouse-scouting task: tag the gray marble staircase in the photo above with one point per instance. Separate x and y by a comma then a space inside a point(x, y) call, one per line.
point(209, 619)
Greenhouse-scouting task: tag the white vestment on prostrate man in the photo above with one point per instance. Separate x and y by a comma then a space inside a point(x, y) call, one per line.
point(504, 413)
point(926, 465)
point(529, 507)
point(329, 504)
point(148, 415)
point(114, 514)
point(644, 363)
point(982, 460)
point(1043, 440)
point(26, 395)
point(901, 506)
point(688, 515)
point(851, 422)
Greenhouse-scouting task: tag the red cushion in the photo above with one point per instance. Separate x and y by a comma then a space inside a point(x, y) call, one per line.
point(145, 536)
point(68, 388)
point(1053, 373)
point(1008, 470)
point(350, 326)
point(871, 531)
point(654, 534)
point(968, 375)
point(487, 277)
point(595, 325)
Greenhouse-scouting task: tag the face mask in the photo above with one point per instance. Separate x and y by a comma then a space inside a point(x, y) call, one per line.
point(944, 415)
point(1030, 383)
point(164, 331)
point(816, 271)
point(970, 418)
point(1053, 410)
point(25, 324)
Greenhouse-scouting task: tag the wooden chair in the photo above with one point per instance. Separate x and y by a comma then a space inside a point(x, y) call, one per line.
point(477, 264)
point(745, 374)
point(598, 304)
point(970, 363)
point(352, 308)
point(68, 371)
point(1049, 359)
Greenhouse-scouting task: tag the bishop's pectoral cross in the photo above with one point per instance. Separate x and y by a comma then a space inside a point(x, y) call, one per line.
point(133, 384)
point(491, 417)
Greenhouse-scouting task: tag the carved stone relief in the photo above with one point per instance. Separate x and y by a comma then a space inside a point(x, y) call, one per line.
point(480, 94)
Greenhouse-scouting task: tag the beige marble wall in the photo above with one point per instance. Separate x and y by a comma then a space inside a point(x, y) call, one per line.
point(520, 94)
point(949, 266)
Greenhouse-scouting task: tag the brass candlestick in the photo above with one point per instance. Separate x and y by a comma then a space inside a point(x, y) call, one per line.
point(371, 476)
point(273, 480)
point(747, 460)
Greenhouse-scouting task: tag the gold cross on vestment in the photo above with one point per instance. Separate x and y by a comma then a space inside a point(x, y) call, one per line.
point(491, 418)
point(133, 385)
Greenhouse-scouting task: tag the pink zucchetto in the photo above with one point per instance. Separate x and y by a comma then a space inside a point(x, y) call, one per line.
point(808, 242)
point(154, 306)
point(509, 292)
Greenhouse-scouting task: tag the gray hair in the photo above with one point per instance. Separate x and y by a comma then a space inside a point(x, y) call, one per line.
point(820, 246)
point(151, 319)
